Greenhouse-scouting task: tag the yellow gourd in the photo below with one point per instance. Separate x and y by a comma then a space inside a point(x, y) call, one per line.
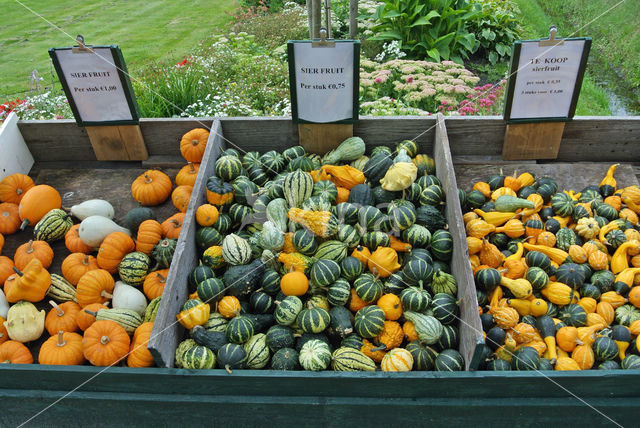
point(495, 218)
point(620, 259)
point(520, 288)
point(558, 293)
point(479, 228)
point(513, 228)
point(383, 262)
point(399, 176)
point(321, 223)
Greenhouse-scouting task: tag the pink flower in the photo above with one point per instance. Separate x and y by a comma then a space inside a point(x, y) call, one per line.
point(378, 79)
point(409, 79)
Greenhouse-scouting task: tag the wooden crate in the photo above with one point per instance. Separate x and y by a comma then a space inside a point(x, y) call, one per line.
point(124, 396)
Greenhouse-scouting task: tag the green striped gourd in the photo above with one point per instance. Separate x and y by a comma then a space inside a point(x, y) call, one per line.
point(211, 290)
point(368, 287)
point(605, 349)
point(272, 162)
point(346, 359)
point(326, 189)
point(61, 289)
point(228, 167)
point(287, 310)
point(305, 242)
point(251, 159)
point(257, 175)
point(442, 245)
point(293, 152)
point(341, 321)
point(415, 299)
point(127, 318)
point(152, 310)
point(53, 226)
point(325, 272)
point(183, 347)
point(445, 308)
point(236, 250)
point(313, 320)
point(213, 258)
point(257, 351)
point(277, 213)
point(402, 216)
point(198, 357)
point(346, 213)
point(163, 252)
point(428, 328)
point(216, 322)
point(339, 292)
point(373, 240)
point(350, 149)
point(232, 356)
point(351, 268)
point(369, 321)
point(134, 267)
point(449, 338)
point(297, 186)
point(424, 357)
point(261, 303)
point(353, 340)
point(244, 190)
point(432, 195)
point(207, 236)
point(331, 250)
point(315, 355)
point(417, 236)
point(348, 235)
point(443, 282)
point(279, 336)
point(449, 360)
point(271, 238)
point(239, 330)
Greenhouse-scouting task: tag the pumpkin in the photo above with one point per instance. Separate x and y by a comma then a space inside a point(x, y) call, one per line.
point(391, 305)
point(30, 284)
point(606, 311)
point(9, 218)
point(490, 255)
point(113, 249)
point(139, 355)
point(371, 351)
point(36, 202)
point(180, 197)
point(362, 253)
point(73, 242)
point(154, 283)
point(63, 348)
point(345, 176)
point(4, 334)
point(598, 260)
point(172, 226)
point(85, 317)
point(193, 143)
point(14, 352)
point(105, 343)
point(151, 188)
point(14, 186)
point(514, 269)
point(77, 264)
point(584, 356)
point(6, 268)
point(95, 286)
point(397, 360)
point(546, 238)
point(188, 174)
point(149, 234)
point(1, 242)
point(26, 252)
point(229, 306)
point(567, 338)
point(383, 262)
point(62, 317)
point(409, 331)
point(294, 283)
point(207, 215)
point(343, 194)
point(390, 337)
point(356, 303)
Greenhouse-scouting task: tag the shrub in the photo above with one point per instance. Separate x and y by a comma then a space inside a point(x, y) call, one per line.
point(496, 28)
point(273, 30)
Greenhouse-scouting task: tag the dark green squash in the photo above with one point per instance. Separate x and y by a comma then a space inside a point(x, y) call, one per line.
point(231, 356)
point(136, 216)
point(213, 340)
point(369, 321)
point(376, 167)
point(424, 357)
point(211, 290)
point(449, 360)
point(243, 279)
point(341, 323)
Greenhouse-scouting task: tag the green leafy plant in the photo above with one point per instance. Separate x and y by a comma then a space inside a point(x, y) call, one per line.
point(434, 29)
point(496, 28)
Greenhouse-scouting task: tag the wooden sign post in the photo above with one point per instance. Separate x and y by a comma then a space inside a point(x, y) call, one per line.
point(324, 83)
point(100, 94)
point(542, 93)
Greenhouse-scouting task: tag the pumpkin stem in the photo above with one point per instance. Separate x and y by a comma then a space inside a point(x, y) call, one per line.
point(106, 294)
point(104, 340)
point(226, 367)
point(147, 179)
point(30, 246)
point(175, 222)
point(24, 224)
point(195, 142)
point(162, 277)
point(16, 270)
point(61, 341)
point(92, 313)
point(57, 308)
point(193, 168)
point(85, 260)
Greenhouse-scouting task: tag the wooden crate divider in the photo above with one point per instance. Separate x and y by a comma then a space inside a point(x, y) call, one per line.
point(166, 333)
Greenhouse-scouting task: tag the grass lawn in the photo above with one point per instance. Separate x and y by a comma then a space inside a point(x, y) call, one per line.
point(144, 30)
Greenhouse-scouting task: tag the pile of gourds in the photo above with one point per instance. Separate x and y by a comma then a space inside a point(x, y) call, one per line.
point(557, 273)
point(337, 262)
point(127, 272)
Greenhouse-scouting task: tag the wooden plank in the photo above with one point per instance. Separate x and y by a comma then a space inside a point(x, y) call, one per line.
point(107, 143)
point(574, 176)
point(16, 157)
point(532, 140)
point(133, 140)
point(167, 333)
point(321, 138)
point(470, 326)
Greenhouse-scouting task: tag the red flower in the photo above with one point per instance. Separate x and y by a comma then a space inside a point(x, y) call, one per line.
point(182, 63)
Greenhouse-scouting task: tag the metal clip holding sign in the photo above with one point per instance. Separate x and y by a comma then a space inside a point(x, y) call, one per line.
point(552, 41)
point(81, 48)
point(323, 42)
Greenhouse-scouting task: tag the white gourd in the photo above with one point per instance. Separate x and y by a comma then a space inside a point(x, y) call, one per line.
point(4, 305)
point(128, 297)
point(93, 207)
point(95, 228)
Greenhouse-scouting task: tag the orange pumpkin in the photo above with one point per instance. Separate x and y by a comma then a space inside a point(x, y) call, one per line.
point(139, 355)
point(409, 331)
point(105, 343)
point(6, 268)
point(77, 264)
point(584, 356)
point(4, 334)
point(154, 283)
point(151, 188)
point(391, 305)
point(9, 218)
point(229, 306)
point(383, 262)
point(14, 186)
point(73, 242)
point(63, 348)
point(193, 143)
point(14, 352)
point(40, 250)
point(180, 197)
point(62, 317)
point(36, 202)
point(362, 253)
point(294, 283)
point(207, 215)
point(188, 174)
point(94, 286)
point(356, 303)
point(343, 194)
point(172, 226)
point(113, 249)
point(1, 242)
point(149, 234)
point(85, 319)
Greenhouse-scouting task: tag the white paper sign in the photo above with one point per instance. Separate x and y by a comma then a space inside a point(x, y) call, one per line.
point(324, 82)
point(546, 79)
point(95, 85)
